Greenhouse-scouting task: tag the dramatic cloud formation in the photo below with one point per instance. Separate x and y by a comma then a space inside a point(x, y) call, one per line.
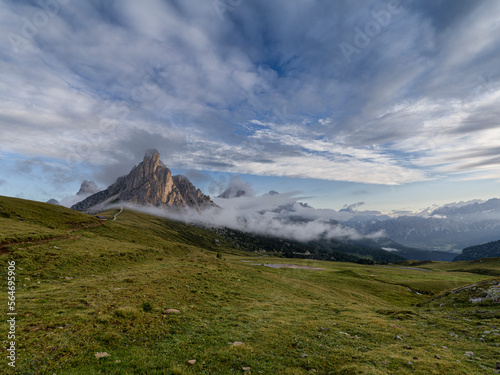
point(277, 215)
point(377, 92)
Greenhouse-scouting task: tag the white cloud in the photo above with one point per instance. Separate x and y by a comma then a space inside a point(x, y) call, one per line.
point(408, 108)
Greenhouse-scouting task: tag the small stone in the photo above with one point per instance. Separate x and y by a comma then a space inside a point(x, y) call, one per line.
point(102, 355)
point(469, 354)
point(398, 337)
point(191, 362)
point(407, 347)
point(117, 361)
point(237, 343)
point(410, 362)
point(444, 347)
point(171, 311)
point(437, 356)
point(245, 368)
point(303, 355)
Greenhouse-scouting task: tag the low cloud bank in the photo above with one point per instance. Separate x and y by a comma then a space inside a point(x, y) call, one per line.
point(278, 215)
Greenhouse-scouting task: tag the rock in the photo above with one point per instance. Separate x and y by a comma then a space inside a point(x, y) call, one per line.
point(437, 356)
point(397, 337)
point(53, 201)
point(237, 343)
point(171, 311)
point(469, 354)
point(102, 355)
point(191, 362)
point(88, 188)
point(245, 368)
point(410, 362)
point(407, 347)
point(303, 355)
point(149, 184)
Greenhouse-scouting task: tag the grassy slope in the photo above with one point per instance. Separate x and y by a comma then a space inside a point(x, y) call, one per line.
point(104, 289)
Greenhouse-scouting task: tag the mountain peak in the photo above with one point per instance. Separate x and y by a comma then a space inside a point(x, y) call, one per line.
point(152, 155)
point(150, 163)
point(88, 188)
point(149, 184)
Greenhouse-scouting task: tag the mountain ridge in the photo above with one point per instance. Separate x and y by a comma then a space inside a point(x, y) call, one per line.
point(148, 184)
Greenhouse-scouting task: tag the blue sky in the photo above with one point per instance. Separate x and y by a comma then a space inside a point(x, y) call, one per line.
point(392, 103)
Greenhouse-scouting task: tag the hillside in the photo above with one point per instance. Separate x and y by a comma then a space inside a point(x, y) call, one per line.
point(487, 250)
point(321, 249)
point(145, 295)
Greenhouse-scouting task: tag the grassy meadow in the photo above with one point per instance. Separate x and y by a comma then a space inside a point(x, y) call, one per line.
point(145, 295)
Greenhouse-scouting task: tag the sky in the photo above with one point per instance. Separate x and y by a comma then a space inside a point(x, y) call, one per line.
point(391, 103)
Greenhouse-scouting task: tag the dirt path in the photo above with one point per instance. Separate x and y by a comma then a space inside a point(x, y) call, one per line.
point(118, 213)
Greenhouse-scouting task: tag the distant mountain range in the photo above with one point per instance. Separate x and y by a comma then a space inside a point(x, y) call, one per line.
point(431, 233)
point(149, 184)
point(438, 233)
point(487, 250)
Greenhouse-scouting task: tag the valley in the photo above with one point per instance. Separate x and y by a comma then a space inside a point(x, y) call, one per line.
point(143, 294)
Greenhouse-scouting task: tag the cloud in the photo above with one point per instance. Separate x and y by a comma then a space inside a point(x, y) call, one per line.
point(351, 207)
point(277, 215)
point(264, 91)
point(237, 188)
point(87, 188)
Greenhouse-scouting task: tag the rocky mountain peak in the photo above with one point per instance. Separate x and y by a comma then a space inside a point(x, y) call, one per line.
point(87, 188)
point(149, 184)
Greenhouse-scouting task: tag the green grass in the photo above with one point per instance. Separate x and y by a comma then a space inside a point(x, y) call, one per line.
point(105, 289)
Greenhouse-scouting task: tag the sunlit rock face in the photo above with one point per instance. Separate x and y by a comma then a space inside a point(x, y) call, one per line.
point(150, 184)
